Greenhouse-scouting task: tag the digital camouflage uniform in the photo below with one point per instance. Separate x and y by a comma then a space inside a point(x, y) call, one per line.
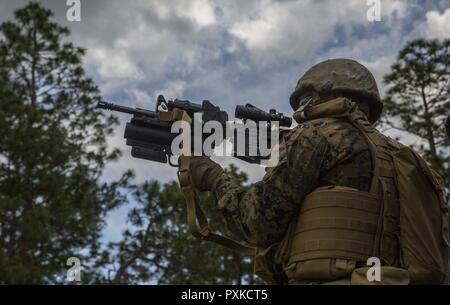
point(316, 153)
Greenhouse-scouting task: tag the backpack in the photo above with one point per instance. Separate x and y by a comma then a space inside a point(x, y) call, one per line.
point(424, 223)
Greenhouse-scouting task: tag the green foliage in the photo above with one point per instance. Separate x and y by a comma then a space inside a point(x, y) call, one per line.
point(419, 97)
point(159, 249)
point(52, 152)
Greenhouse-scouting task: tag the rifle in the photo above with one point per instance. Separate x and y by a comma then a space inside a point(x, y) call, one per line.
point(149, 132)
point(150, 137)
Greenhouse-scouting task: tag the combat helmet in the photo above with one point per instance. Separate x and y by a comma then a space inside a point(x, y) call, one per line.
point(340, 75)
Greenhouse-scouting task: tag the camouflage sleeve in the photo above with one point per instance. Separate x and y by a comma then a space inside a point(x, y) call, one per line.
point(261, 213)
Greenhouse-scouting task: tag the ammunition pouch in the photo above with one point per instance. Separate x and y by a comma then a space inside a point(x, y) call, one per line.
point(335, 230)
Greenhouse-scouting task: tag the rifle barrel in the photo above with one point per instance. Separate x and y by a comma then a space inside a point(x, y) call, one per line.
point(124, 109)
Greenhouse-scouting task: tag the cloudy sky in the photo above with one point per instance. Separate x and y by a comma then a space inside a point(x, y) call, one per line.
point(230, 52)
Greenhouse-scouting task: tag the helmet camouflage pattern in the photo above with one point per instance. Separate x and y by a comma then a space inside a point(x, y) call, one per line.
point(340, 75)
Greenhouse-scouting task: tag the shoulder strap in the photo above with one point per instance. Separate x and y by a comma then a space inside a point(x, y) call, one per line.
point(372, 140)
point(196, 218)
point(384, 185)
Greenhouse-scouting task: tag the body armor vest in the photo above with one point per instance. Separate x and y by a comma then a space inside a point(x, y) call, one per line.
point(340, 228)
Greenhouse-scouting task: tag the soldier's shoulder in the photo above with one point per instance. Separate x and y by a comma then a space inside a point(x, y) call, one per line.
point(339, 135)
point(393, 143)
point(306, 129)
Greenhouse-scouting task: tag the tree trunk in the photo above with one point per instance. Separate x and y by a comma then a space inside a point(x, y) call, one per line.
point(429, 130)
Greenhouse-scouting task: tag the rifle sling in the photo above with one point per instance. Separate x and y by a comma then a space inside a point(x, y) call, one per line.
point(196, 218)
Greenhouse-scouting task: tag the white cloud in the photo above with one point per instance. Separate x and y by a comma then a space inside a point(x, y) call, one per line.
point(172, 89)
point(200, 10)
point(140, 98)
point(398, 8)
point(113, 64)
point(145, 39)
point(295, 29)
point(438, 25)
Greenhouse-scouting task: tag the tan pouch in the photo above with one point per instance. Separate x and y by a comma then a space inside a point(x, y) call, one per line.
point(388, 276)
point(320, 269)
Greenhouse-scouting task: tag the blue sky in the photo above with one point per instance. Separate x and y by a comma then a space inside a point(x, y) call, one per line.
point(230, 52)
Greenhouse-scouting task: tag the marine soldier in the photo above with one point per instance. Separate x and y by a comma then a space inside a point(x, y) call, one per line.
point(336, 197)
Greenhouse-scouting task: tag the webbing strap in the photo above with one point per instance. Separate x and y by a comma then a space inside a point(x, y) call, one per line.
point(356, 121)
point(341, 197)
point(383, 169)
point(336, 223)
point(350, 248)
point(196, 218)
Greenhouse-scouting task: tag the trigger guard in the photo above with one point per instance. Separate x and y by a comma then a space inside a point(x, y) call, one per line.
point(171, 163)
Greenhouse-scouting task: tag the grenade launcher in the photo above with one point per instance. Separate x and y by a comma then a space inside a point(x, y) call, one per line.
point(149, 132)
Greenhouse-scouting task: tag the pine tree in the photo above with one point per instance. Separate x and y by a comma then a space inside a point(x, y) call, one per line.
point(158, 247)
point(418, 99)
point(52, 153)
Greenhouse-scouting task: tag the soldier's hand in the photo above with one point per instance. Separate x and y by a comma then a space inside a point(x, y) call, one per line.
point(204, 172)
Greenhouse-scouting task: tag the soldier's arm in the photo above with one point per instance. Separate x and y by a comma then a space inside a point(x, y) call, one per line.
point(261, 213)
